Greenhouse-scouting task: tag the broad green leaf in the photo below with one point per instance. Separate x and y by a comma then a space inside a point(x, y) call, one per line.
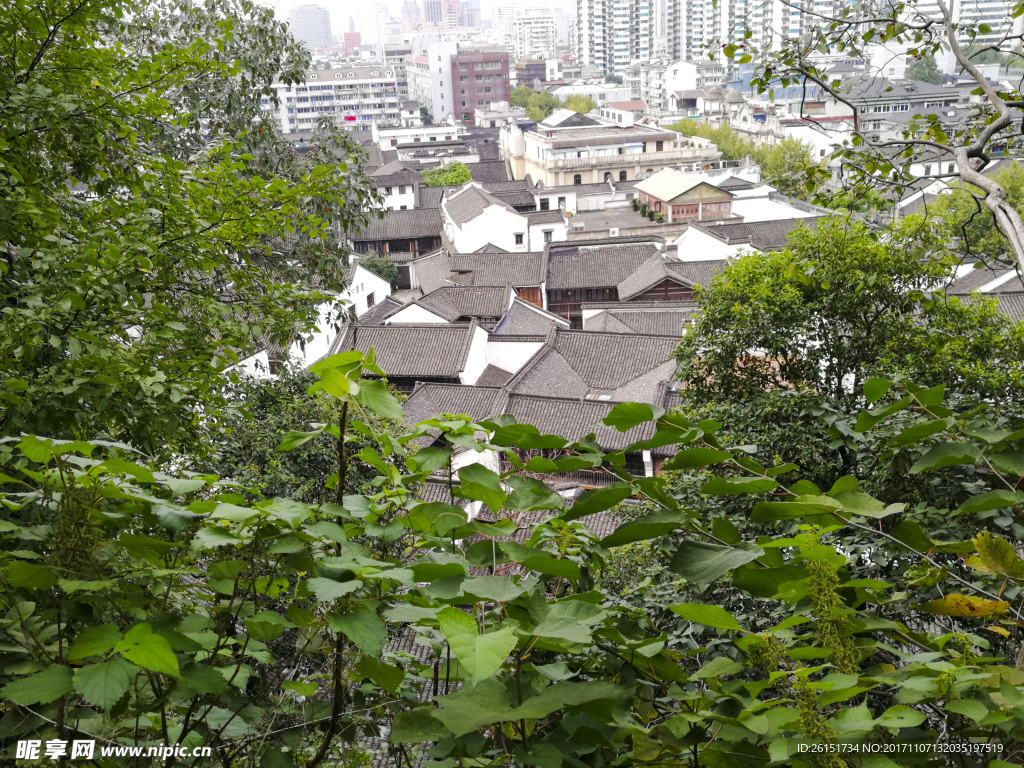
point(416, 726)
point(625, 416)
point(875, 389)
point(387, 676)
point(717, 667)
point(701, 563)
point(430, 458)
point(858, 503)
point(598, 500)
point(983, 502)
point(946, 455)
point(498, 589)
point(153, 652)
point(22, 575)
point(474, 706)
point(529, 494)
point(692, 458)
point(105, 683)
point(294, 439)
point(794, 510)
point(437, 518)
point(41, 688)
point(650, 526)
point(481, 655)
point(364, 628)
point(481, 484)
point(267, 625)
point(708, 615)
point(971, 708)
point(329, 589)
point(721, 486)
point(918, 432)
point(901, 716)
point(566, 695)
point(375, 396)
point(94, 641)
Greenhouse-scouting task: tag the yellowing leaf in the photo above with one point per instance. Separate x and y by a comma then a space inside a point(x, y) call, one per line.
point(964, 605)
point(995, 555)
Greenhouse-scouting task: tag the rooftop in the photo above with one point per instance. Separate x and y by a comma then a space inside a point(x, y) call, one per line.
point(466, 301)
point(402, 225)
point(430, 351)
point(594, 266)
point(526, 319)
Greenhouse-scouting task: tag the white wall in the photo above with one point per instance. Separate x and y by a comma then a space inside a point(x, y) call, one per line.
point(694, 245)
point(536, 235)
point(399, 200)
point(414, 313)
point(476, 360)
point(552, 194)
point(365, 283)
point(511, 356)
point(497, 225)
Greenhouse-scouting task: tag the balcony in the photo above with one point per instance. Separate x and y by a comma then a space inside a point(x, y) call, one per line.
point(668, 156)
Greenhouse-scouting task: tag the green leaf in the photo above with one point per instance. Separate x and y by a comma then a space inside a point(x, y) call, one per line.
point(767, 582)
point(387, 676)
point(708, 615)
point(858, 503)
point(105, 683)
point(875, 389)
point(983, 502)
point(364, 628)
point(415, 727)
point(41, 688)
point(965, 605)
point(918, 432)
point(691, 458)
point(481, 484)
point(480, 655)
point(971, 708)
point(701, 563)
point(901, 716)
point(22, 575)
point(946, 455)
point(721, 486)
point(625, 416)
point(717, 667)
point(374, 395)
point(598, 500)
point(329, 589)
point(94, 641)
point(267, 625)
point(649, 526)
point(498, 589)
point(530, 494)
point(437, 518)
point(153, 652)
point(294, 439)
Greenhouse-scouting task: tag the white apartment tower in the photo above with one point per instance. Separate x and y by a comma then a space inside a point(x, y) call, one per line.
point(614, 33)
point(311, 25)
point(534, 34)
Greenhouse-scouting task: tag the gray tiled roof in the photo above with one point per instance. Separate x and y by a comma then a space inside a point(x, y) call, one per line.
point(490, 248)
point(402, 225)
point(469, 203)
point(520, 197)
point(515, 185)
point(393, 173)
point(762, 235)
point(519, 270)
point(493, 376)
point(488, 170)
point(977, 278)
point(376, 314)
point(430, 351)
point(466, 301)
point(525, 319)
point(697, 272)
point(580, 364)
point(667, 322)
point(594, 267)
point(430, 400)
point(1012, 305)
point(649, 274)
point(545, 217)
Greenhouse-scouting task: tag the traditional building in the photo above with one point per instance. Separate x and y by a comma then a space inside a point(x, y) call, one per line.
point(684, 198)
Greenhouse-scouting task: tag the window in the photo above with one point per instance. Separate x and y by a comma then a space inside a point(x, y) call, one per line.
point(369, 299)
point(607, 176)
point(401, 190)
point(547, 235)
point(658, 147)
point(821, 153)
point(622, 175)
point(433, 138)
point(403, 207)
point(545, 203)
point(577, 179)
point(928, 170)
point(387, 190)
point(519, 238)
point(561, 202)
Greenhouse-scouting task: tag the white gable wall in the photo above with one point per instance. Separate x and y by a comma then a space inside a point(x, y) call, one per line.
point(414, 313)
point(476, 360)
point(497, 225)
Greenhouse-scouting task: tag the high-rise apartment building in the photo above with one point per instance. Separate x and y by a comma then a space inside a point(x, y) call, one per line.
point(354, 97)
point(311, 25)
point(433, 12)
point(533, 34)
point(471, 13)
point(614, 33)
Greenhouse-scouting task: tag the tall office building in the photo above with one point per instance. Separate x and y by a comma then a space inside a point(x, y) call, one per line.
point(471, 13)
point(451, 13)
point(533, 34)
point(311, 25)
point(613, 33)
point(433, 12)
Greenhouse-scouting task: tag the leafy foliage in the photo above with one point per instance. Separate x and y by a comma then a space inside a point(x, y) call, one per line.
point(925, 69)
point(450, 174)
point(174, 226)
point(581, 104)
point(541, 105)
point(521, 95)
point(383, 266)
point(838, 306)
